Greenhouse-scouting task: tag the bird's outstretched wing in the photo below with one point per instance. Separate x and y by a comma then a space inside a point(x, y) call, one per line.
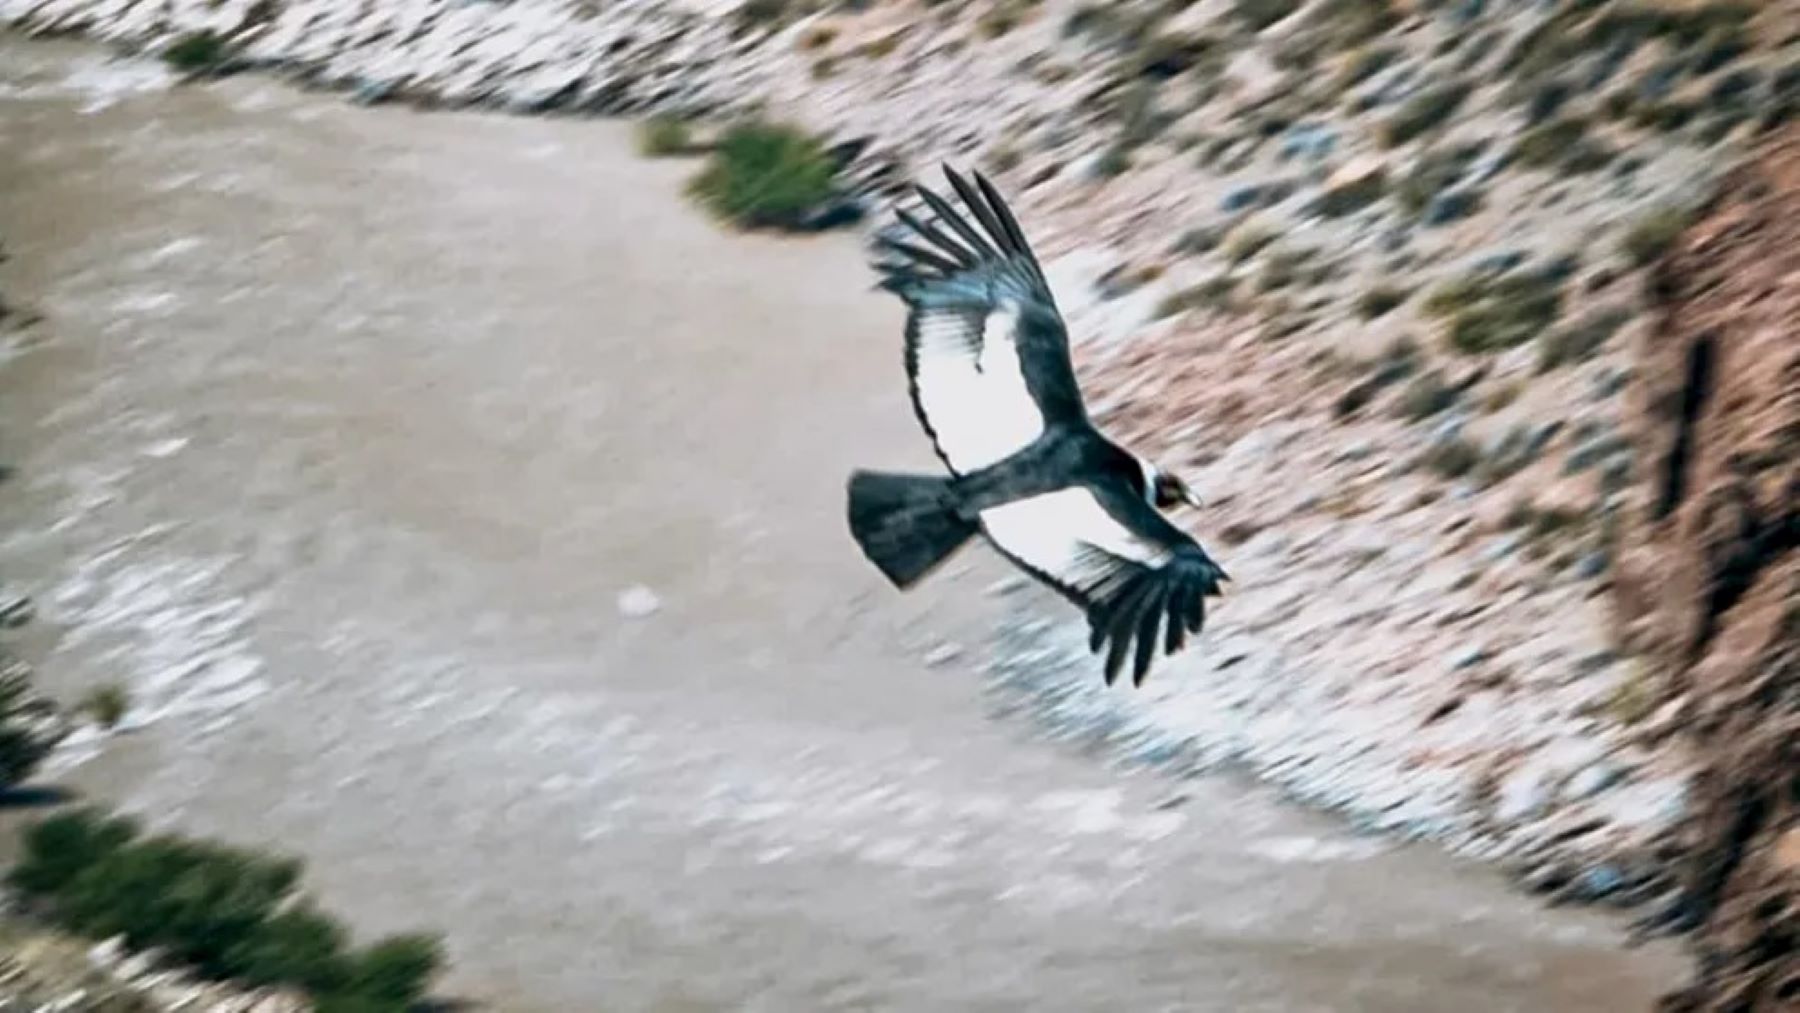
point(1133, 573)
point(987, 355)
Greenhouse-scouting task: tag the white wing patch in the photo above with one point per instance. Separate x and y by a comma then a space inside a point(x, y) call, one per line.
point(974, 398)
point(1057, 532)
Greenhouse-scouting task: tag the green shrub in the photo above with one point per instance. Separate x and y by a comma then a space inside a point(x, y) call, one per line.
point(1260, 14)
point(1491, 314)
point(1353, 196)
point(1653, 235)
point(1425, 112)
point(762, 13)
point(875, 49)
point(196, 52)
point(1113, 161)
point(61, 847)
point(1364, 64)
point(1427, 395)
point(1548, 143)
point(396, 970)
point(1667, 117)
point(1169, 54)
point(1247, 240)
point(107, 704)
point(1349, 23)
point(664, 136)
point(1431, 174)
point(1218, 294)
point(1581, 340)
point(1282, 268)
point(298, 946)
point(229, 913)
point(1380, 301)
point(29, 727)
point(765, 175)
point(1453, 458)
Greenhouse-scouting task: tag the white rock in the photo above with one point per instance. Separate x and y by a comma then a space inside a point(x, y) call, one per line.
point(638, 602)
point(943, 654)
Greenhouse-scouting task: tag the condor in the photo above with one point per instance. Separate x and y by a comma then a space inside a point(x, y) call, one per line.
point(992, 384)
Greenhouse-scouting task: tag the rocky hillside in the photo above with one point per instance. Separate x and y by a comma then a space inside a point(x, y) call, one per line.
point(1709, 576)
point(1375, 271)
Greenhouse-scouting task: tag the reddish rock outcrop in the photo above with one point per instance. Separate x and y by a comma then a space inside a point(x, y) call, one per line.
point(1708, 587)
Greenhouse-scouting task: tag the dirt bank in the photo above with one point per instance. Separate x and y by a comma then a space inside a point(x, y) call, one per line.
point(1709, 585)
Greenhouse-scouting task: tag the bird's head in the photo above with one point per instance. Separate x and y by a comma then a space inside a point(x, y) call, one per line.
point(1167, 491)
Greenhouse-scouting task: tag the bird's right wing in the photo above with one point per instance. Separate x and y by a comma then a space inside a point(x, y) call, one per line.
point(1133, 578)
point(987, 355)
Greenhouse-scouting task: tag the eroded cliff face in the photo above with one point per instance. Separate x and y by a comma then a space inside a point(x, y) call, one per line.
point(1708, 588)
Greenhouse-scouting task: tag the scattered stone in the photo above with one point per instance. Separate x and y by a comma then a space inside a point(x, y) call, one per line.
point(1451, 206)
point(1592, 780)
point(638, 602)
point(17, 612)
point(943, 654)
point(1313, 142)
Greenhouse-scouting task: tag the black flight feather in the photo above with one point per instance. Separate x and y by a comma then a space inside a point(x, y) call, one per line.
point(930, 233)
point(947, 215)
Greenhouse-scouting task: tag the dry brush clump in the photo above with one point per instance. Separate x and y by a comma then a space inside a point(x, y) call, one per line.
point(229, 913)
point(766, 175)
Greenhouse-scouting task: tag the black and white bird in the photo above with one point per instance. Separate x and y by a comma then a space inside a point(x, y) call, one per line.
point(988, 366)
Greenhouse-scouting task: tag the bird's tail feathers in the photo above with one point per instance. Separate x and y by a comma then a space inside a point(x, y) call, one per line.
point(905, 524)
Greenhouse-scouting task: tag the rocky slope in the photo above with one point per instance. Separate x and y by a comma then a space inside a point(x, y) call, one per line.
point(1371, 269)
point(1709, 583)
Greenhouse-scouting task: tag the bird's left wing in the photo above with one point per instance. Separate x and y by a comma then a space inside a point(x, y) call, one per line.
point(1135, 577)
point(987, 355)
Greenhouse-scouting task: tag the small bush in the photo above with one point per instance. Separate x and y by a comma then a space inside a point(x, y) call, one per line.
point(664, 136)
point(1502, 397)
point(196, 52)
point(1491, 314)
point(1364, 64)
point(1170, 55)
point(1425, 112)
point(765, 175)
point(1380, 301)
point(1453, 458)
point(107, 705)
point(229, 913)
point(1581, 340)
point(1433, 173)
point(62, 847)
point(1215, 294)
point(396, 970)
point(1280, 270)
point(1427, 395)
point(875, 49)
point(1667, 117)
point(1548, 143)
point(1653, 235)
point(29, 726)
point(1113, 161)
point(762, 14)
point(1247, 240)
point(997, 21)
point(1353, 196)
point(1346, 23)
point(1260, 14)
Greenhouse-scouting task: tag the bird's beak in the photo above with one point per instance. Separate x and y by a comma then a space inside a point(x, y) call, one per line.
point(1192, 498)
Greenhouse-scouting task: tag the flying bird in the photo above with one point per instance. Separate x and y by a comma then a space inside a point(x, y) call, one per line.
point(993, 386)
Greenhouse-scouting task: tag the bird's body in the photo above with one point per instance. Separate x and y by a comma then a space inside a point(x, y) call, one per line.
point(993, 386)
